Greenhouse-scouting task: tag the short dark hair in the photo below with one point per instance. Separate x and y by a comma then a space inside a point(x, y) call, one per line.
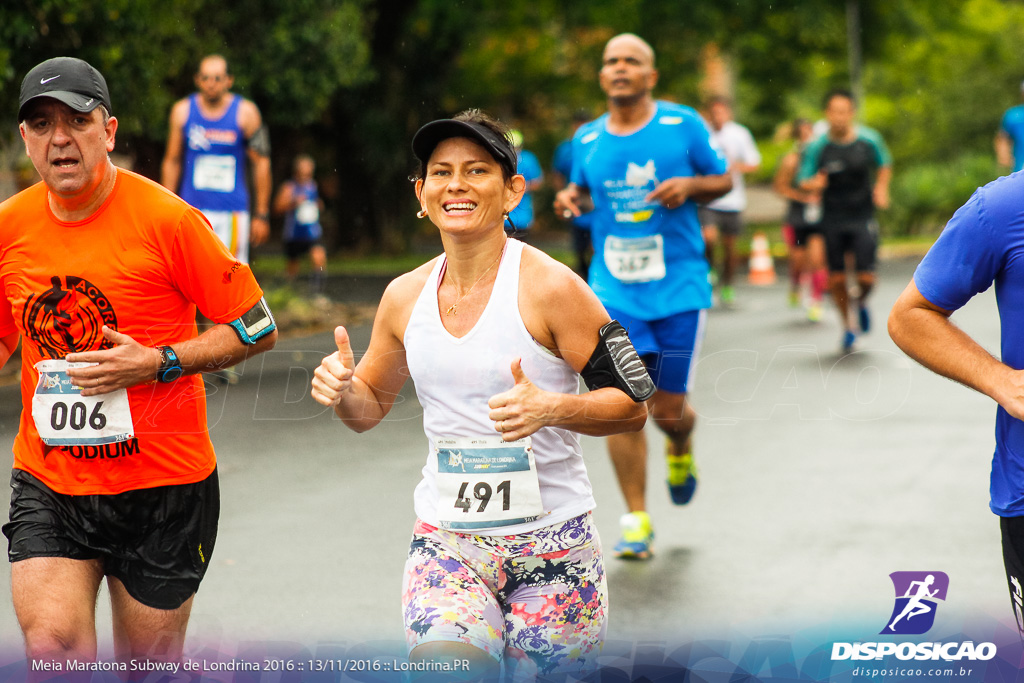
point(506, 161)
point(838, 92)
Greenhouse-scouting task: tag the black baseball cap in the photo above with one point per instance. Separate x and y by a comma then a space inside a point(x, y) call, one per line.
point(429, 136)
point(67, 79)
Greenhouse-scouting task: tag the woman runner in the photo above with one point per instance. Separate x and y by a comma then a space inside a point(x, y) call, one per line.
point(505, 566)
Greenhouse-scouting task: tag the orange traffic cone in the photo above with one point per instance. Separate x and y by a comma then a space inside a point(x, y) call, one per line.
point(762, 266)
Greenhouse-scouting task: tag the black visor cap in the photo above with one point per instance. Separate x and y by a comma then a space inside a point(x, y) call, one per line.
point(432, 134)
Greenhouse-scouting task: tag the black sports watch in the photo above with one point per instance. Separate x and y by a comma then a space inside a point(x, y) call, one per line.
point(170, 366)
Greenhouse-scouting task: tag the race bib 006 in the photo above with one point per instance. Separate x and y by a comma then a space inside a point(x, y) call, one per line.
point(486, 482)
point(63, 417)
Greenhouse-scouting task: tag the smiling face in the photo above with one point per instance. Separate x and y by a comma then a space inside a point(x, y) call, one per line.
point(68, 148)
point(464, 189)
point(627, 69)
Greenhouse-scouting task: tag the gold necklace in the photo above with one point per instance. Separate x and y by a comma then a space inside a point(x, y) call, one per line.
point(451, 310)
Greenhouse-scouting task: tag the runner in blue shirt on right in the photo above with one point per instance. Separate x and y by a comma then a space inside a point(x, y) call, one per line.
point(644, 165)
point(851, 166)
point(982, 244)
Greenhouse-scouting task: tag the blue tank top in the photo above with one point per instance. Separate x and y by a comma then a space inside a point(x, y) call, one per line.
point(302, 224)
point(215, 155)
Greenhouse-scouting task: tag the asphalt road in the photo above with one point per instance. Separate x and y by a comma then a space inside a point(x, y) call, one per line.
point(820, 475)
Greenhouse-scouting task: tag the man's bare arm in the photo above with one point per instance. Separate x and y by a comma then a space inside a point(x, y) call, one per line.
point(170, 169)
point(926, 334)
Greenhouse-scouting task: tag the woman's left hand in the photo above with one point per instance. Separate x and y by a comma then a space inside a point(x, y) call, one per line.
point(523, 409)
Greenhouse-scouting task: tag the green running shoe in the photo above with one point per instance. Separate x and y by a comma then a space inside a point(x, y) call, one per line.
point(682, 477)
point(637, 535)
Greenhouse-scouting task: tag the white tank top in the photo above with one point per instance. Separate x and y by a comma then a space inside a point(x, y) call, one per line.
point(456, 377)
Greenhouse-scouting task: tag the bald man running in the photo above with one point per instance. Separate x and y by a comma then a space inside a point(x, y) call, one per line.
point(645, 164)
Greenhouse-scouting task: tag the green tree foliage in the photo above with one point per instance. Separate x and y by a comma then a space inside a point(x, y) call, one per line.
point(938, 92)
point(350, 81)
point(295, 54)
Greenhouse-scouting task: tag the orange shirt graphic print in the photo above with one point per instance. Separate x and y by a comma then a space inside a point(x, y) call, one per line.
point(68, 317)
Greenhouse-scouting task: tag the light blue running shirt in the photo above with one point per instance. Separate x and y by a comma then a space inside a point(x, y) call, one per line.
point(648, 260)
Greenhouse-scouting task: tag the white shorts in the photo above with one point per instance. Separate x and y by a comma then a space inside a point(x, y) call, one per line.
point(232, 227)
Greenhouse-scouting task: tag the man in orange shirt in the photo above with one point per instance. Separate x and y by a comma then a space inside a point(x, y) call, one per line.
point(102, 272)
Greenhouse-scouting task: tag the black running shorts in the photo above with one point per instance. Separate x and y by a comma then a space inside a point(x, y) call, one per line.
point(802, 234)
point(1012, 529)
point(857, 236)
point(296, 249)
point(157, 542)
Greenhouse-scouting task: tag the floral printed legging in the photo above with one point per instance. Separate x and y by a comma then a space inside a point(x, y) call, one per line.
point(536, 601)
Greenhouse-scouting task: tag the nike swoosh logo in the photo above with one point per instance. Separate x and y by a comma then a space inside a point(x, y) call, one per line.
point(44, 81)
point(89, 102)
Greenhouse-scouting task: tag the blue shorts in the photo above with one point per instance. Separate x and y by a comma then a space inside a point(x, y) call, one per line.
point(667, 346)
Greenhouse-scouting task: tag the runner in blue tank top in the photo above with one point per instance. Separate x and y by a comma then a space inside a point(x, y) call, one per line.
point(644, 164)
point(213, 134)
point(214, 159)
point(298, 200)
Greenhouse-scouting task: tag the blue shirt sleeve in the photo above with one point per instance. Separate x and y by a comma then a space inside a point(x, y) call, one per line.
point(706, 159)
point(964, 261)
point(529, 166)
point(562, 161)
point(576, 176)
point(1004, 125)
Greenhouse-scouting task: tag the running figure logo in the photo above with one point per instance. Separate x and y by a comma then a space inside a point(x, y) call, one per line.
point(916, 597)
point(455, 460)
point(68, 317)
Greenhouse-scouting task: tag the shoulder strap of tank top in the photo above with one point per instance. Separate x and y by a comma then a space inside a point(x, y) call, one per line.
point(506, 285)
point(434, 281)
point(232, 112)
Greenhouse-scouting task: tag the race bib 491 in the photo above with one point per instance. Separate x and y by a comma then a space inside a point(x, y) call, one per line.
point(486, 482)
